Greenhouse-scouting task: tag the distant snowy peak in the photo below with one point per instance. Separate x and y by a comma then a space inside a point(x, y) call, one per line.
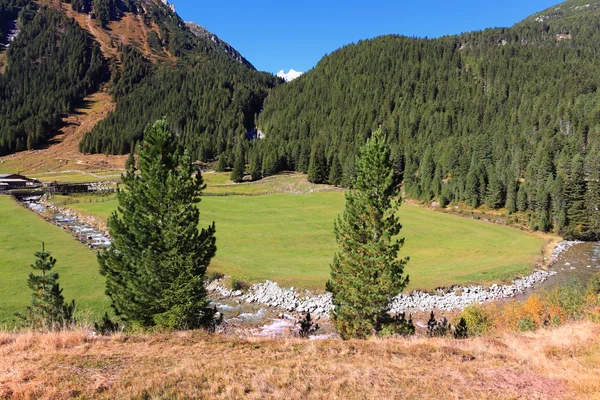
point(290, 76)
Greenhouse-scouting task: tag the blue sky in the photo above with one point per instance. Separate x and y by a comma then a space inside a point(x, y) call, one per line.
point(275, 35)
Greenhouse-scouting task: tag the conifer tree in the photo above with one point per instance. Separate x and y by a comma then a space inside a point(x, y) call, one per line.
point(511, 195)
point(592, 196)
point(239, 166)
point(255, 166)
point(366, 272)
point(221, 163)
point(522, 198)
point(317, 169)
point(48, 309)
point(335, 172)
point(494, 191)
point(575, 195)
point(349, 175)
point(130, 162)
point(156, 264)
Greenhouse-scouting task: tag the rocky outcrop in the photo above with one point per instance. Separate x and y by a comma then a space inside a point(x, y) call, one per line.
point(202, 32)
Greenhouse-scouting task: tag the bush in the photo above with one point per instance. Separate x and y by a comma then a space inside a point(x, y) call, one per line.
point(213, 276)
point(238, 284)
point(477, 319)
point(437, 328)
point(526, 325)
point(569, 299)
point(107, 326)
point(307, 326)
point(461, 331)
point(395, 325)
point(594, 285)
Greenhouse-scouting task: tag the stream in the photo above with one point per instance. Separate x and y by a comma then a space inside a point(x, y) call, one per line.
point(85, 233)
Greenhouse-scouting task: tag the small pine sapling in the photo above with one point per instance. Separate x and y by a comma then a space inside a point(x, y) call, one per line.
point(307, 326)
point(461, 331)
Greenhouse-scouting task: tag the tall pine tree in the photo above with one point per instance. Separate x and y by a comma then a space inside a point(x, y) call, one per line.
point(367, 272)
point(317, 169)
point(239, 166)
point(156, 265)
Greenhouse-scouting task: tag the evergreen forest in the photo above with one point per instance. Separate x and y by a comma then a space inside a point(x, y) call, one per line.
point(502, 117)
point(52, 66)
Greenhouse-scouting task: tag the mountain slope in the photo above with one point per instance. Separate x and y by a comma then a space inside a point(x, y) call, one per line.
point(202, 32)
point(51, 66)
point(502, 117)
point(147, 49)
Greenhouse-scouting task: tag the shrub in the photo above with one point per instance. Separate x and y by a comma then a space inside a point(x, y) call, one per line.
point(396, 325)
point(213, 276)
point(461, 331)
point(437, 328)
point(568, 298)
point(526, 324)
point(238, 284)
point(532, 310)
point(307, 326)
point(107, 326)
point(477, 319)
point(594, 285)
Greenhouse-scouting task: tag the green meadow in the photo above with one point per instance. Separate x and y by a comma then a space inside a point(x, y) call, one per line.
point(289, 238)
point(22, 233)
point(283, 237)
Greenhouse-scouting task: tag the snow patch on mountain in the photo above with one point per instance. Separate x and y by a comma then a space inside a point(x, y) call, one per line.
point(290, 76)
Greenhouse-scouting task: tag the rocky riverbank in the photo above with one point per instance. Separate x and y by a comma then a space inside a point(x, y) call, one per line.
point(456, 298)
point(87, 229)
point(270, 294)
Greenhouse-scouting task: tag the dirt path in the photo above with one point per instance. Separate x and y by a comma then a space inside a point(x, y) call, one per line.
point(62, 153)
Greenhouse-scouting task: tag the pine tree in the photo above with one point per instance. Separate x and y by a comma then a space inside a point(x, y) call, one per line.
point(335, 172)
point(130, 162)
point(472, 189)
point(367, 272)
point(511, 195)
point(575, 195)
point(156, 264)
point(522, 198)
point(239, 166)
point(592, 196)
point(349, 175)
point(317, 169)
point(48, 309)
point(255, 166)
point(221, 163)
point(494, 193)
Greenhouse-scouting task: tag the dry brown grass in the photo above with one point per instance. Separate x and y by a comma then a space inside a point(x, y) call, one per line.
point(559, 363)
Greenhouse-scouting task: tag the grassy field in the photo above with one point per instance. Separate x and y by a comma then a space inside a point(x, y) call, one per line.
point(77, 177)
point(22, 233)
point(289, 238)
